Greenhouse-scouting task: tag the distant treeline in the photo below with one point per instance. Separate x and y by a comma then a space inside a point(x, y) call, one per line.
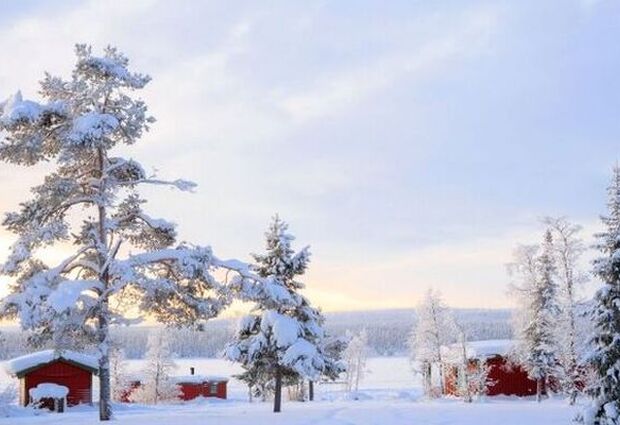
point(388, 332)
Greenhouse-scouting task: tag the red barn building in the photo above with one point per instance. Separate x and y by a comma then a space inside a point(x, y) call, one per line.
point(505, 377)
point(190, 387)
point(67, 368)
point(193, 386)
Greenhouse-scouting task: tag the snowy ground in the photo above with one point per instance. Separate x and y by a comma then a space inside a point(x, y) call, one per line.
point(390, 395)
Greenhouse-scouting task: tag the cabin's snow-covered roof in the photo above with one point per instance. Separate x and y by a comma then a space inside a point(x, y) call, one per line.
point(45, 390)
point(29, 361)
point(198, 379)
point(478, 349)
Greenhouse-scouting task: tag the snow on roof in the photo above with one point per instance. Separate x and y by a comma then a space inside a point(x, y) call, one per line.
point(45, 390)
point(198, 379)
point(29, 361)
point(478, 349)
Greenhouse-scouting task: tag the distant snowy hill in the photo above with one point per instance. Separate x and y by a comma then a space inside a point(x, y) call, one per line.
point(388, 332)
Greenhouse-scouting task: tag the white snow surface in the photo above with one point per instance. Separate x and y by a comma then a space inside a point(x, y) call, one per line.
point(389, 395)
point(285, 329)
point(28, 361)
point(69, 291)
point(46, 390)
point(197, 379)
point(478, 349)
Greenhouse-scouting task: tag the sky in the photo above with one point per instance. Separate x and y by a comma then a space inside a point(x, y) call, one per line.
point(411, 144)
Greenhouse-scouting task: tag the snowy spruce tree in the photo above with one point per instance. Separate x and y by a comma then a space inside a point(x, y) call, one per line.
point(433, 329)
point(538, 346)
point(568, 249)
point(91, 203)
point(157, 383)
point(283, 339)
point(604, 358)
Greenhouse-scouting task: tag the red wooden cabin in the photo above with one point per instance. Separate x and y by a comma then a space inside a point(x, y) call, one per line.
point(193, 386)
point(190, 386)
point(67, 368)
point(505, 377)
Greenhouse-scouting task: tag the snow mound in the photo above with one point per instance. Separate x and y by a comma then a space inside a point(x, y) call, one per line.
point(29, 361)
point(197, 379)
point(47, 390)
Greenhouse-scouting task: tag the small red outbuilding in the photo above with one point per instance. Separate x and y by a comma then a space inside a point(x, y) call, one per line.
point(190, 387)
point(193, 386)
point(67, 368)
point(504, 376)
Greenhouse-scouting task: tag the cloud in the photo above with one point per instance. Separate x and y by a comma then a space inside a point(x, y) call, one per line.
point(397, 139)
point(337, 91)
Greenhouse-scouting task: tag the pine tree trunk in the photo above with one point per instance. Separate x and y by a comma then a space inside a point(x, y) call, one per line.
point(539, 386)
point(105, 407)
point(277, 399)
point(311, 390)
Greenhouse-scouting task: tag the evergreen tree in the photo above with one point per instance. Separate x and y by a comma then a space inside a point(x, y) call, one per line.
point(605, 355)
point(91, 201)
point(539, 344)
point(282, 340)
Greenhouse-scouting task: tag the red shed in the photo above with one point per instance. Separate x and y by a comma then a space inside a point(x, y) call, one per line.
point(193, 386)
point(67, 368)
point(506, 378)
point(190, 386)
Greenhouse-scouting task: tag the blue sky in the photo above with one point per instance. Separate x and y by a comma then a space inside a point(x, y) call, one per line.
point(409, 143)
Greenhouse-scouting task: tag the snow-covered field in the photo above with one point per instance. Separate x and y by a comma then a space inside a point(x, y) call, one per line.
point(390, 394)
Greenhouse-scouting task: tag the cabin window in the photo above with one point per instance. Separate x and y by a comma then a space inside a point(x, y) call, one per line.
point(213, 388)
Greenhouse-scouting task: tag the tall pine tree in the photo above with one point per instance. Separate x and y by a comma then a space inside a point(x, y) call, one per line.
point(538, 337)
point(605, 355)
point(283, 339)
point(91, 203)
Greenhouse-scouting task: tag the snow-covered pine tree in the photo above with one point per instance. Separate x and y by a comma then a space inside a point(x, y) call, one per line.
point(433, 329)
point(283, 337)
point(119, 381)
point(355, 357)
point(604, 358)
point(334, 348)
point(157, 383)
point(538, 338)
point(568, 248)
point(91, 203)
